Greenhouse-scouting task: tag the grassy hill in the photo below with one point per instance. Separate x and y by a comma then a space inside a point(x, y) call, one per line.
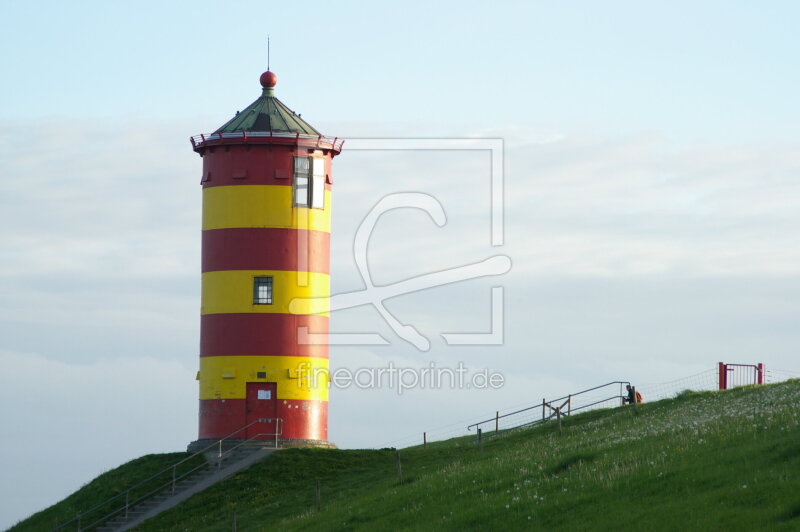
point(702, 461)
point(99, 490)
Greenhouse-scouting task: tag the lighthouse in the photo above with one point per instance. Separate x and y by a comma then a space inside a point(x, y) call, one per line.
point(266, 229)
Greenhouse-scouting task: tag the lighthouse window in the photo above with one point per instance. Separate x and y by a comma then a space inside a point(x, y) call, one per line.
point(301, 165)
point(301, 191)
point(262, 291)
point(309, 182)
point(318, 183)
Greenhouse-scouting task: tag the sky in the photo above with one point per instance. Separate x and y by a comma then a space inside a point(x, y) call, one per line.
point(651, 201)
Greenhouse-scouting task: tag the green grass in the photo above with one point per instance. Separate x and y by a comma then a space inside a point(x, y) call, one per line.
point(102, 488)
point(702, 461)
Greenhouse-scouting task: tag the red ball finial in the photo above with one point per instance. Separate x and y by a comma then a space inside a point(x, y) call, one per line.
point(268, 79)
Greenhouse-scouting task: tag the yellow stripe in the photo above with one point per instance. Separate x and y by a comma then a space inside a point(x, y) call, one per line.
point(231, 292)
point(261, 206)
point(297, 377)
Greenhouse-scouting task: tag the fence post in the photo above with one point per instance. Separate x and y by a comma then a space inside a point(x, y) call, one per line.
point(235, 526)
point(318, 496)
point(127, 495)
point(723, 376)
point(480, 439)
point(425, 440)
point(497, 421)
point(543, 401)
point(78, 517)
point(569, 404)
point(399, 468)
point(558, 416)
point(760, 373)
point(173, 478)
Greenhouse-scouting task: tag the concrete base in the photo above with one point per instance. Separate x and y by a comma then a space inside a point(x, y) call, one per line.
point(199, 445)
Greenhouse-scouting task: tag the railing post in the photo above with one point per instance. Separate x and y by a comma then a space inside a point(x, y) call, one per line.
point(558, 416)
point(127, 498)
point(569, 404)
point(425, 440)
point(497, 421)
point(173, 478)
point(543, 400)
point(480, 439)
point(399, 468)
point(78, 517)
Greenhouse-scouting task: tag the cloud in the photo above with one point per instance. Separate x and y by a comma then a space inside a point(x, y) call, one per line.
point(67, 423)
point(644, 206)
point(633, 258)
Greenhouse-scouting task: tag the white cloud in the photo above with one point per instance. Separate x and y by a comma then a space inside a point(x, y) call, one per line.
point(632, 259)
point(67, 423)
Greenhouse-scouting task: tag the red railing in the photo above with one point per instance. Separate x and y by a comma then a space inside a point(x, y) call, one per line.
point(731, 375)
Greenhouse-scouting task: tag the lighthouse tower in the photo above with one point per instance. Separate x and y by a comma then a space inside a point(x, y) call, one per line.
point(265, 276)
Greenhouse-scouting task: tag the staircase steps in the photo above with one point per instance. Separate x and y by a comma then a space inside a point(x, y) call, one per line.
point(211, 474)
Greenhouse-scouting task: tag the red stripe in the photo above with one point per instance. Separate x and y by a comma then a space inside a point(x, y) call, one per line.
point(302, 420)
point(252, 165)
point(256, 248)
point(260, 334)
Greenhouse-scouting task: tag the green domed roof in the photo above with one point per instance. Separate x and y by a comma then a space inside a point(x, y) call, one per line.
point(267, 113)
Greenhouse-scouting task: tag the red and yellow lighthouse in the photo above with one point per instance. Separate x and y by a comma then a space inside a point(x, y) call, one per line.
point(265, 275)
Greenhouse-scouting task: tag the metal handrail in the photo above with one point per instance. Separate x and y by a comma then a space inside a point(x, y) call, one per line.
point(538, 405)
point(172, 482)
point(551, 416)
point(278, 432)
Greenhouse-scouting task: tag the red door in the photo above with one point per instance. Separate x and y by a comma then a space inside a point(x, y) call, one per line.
point(262, 403)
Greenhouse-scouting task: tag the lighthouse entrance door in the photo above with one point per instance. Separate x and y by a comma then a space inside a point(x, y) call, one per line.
point(262, 403)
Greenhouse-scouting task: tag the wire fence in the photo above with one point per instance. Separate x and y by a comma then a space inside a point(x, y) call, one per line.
point(524, 415)
point(604, 396)
point(704, 381)
point(532, 413)
point(779, 375)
